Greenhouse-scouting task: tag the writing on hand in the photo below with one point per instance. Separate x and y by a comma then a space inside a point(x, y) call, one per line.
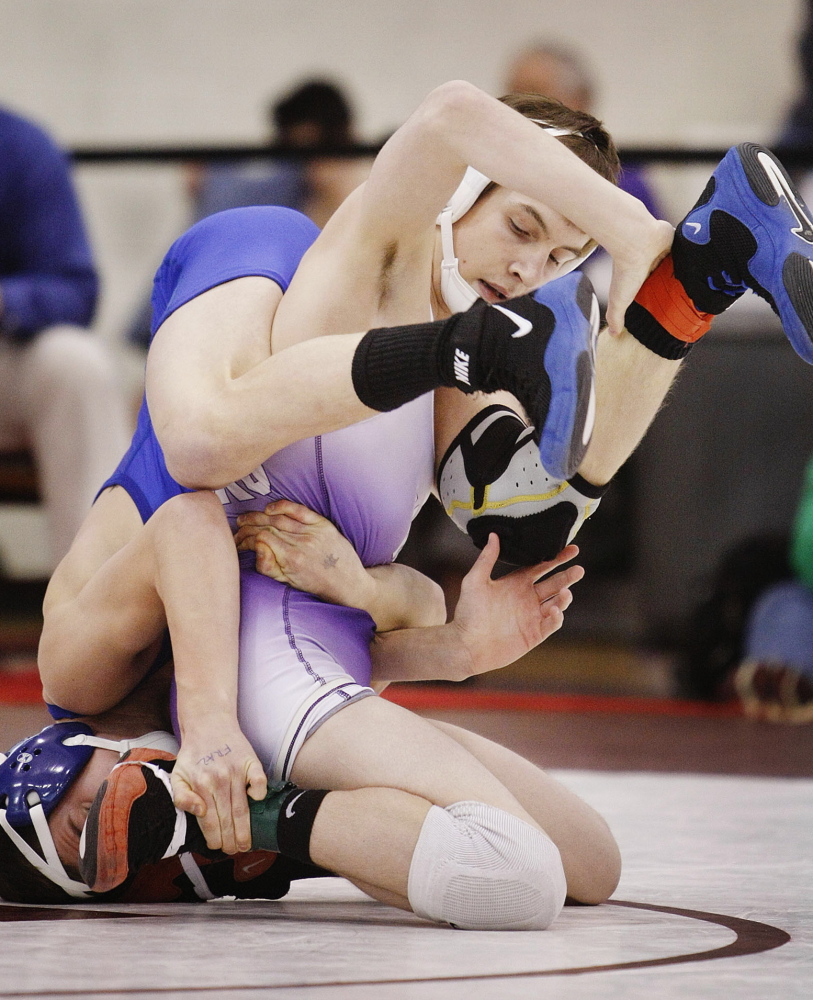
point(330, 561)
point(210, 757)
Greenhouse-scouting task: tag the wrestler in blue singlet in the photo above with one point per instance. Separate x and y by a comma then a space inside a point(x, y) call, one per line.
point(300, 659)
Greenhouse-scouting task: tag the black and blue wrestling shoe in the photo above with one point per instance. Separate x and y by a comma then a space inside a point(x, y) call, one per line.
point(541, 348)
point(750, 229)
point(570, 365)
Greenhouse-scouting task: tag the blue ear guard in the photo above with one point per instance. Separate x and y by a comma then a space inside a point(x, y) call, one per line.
point(44, 764)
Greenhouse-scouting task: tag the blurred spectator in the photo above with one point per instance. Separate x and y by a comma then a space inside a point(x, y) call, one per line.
point(561, 72)
point(797, 130)
point(315, 114)
point(775, 679)
point(59, 395)
point(753, 638)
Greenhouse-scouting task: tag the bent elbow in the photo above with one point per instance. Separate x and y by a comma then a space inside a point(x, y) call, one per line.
point(448, 105)
point(195, 451)
point(196, 465)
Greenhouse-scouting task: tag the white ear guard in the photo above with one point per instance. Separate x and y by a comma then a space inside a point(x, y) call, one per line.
point(458, 293)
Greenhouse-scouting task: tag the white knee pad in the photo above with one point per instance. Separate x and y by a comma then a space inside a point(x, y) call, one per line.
point(480, 868)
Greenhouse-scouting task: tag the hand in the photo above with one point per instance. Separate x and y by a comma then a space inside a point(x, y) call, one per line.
point(295, 545)
point(500, 620)
point(632, 265)
point(215, 766)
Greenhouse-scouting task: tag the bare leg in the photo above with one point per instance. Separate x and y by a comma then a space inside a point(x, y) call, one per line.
point(589, 852)
point(389, 766)
point(631, 385)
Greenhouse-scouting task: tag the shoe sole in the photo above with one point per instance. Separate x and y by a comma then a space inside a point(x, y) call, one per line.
point(106, 830)
point(770, 183)
point(570, 364)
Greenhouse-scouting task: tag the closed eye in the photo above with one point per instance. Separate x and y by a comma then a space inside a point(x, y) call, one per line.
point(519, 230)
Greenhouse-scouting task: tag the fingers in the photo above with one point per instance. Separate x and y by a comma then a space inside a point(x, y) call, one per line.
point(285, 513)
point(239, 817)
point(552, 585)
point(296, 511)
point(485, 562)
point(256, 780)
point(185, 799)
point(545, 568)
point(267, 562)
point(617, 306)
point(560, 601)
point(553, 621)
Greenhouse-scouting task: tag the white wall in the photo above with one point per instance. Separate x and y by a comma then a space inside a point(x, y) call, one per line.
point(153, 71)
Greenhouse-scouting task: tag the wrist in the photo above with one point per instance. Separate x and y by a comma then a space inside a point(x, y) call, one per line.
point(461, 650)
point(202, 713)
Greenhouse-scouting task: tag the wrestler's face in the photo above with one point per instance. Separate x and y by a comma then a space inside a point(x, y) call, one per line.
point(508, 245)
point(68, 818)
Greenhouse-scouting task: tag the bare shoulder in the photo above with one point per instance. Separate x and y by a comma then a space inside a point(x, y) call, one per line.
point(357, 275)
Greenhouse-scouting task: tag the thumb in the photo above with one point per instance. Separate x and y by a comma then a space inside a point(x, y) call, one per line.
point(616, 306)
point(186, 800)
point(256, 781)
point(487, 559)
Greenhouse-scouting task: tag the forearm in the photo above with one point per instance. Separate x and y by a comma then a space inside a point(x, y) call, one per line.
point(197, 579)
point(513, 151)
point(402, 598)
point(529, 160)
point(420, 654)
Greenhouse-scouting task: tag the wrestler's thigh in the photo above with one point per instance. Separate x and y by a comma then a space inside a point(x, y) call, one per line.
point(373, 743)
point(589, 852)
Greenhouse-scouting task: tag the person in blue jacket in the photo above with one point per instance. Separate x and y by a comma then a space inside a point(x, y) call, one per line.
point(58, 391)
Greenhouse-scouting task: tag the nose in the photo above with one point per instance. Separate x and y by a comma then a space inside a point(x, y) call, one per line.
point(531, 269)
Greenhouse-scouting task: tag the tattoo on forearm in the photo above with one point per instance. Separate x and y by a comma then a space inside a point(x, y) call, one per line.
point(330, 561)
point(210, 757)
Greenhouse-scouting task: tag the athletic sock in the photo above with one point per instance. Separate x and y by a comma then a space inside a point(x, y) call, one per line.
point(480, 350)
point(663, 317)
point(284, 819)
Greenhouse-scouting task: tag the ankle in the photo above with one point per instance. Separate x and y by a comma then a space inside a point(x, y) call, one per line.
point(663, 317)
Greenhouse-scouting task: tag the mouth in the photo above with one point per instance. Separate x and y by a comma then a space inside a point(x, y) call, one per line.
point(491, 293)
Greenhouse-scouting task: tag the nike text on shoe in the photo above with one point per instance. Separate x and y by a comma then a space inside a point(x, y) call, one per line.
point(750, 229)
point(541, 348)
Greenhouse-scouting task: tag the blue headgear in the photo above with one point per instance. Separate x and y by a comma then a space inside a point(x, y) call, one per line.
point(34, 776)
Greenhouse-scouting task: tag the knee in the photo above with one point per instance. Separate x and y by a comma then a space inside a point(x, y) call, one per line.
point(593, 876)
point(67, 357)
point(480, 868)
point(199, 510)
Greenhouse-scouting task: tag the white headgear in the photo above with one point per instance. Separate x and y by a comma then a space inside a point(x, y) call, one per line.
point(456, 291)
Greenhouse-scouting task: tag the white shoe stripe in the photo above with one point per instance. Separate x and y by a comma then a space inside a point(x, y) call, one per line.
point(783, 190)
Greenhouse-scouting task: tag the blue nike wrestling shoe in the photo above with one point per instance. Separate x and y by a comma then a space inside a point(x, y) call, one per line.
point(540, 348)
point(750, 229)
point(570, 364)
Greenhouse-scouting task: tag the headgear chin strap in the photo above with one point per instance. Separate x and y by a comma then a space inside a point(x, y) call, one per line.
point(34, 776)
point(456, 291)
